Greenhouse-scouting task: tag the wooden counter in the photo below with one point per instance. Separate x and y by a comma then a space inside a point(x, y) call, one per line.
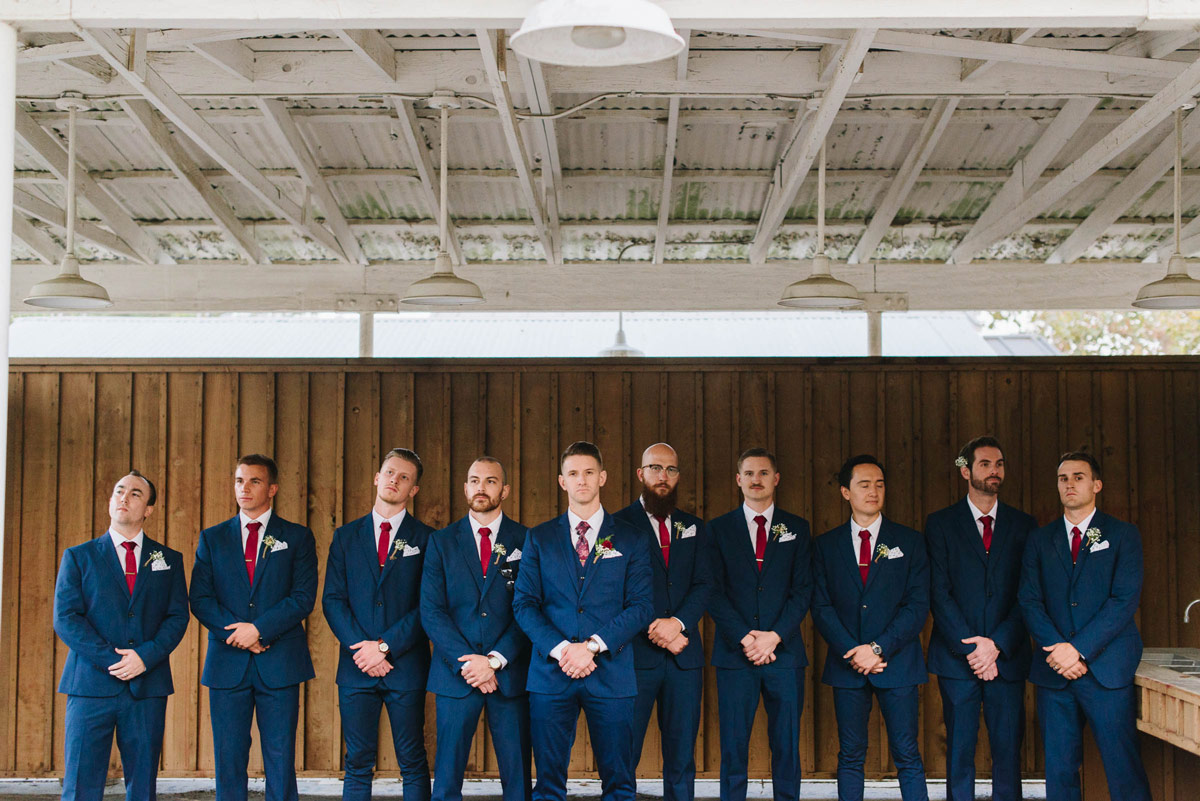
point(1169, 683)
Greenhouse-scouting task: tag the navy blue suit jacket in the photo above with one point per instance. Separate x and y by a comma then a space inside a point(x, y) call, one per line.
point(1090, 604)
point(973, 592)
point(614, 600)
point(94, 614)
point(777, 599)
point(681, 589)
point(284, 592)
point(465, 613)
point(890, 610)
point(361, 602)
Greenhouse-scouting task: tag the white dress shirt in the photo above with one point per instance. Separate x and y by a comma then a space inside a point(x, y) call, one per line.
point(395, 520)
point(119, 543)
point(654, 527)
point(1082, 526)
point(750, 514)
point(594, 522)
point(494, 527)
point(873, 529)
point(976, 514)
point(265, 519)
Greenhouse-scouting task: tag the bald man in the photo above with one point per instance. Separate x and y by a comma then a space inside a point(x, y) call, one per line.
point(668, 655)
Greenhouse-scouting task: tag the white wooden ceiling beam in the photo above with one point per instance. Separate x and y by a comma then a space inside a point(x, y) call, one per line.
point(89, 67)
point(37, 240)
point(230, 56)
point(54, 215)
point(111, 213)
point(1025, 175)
point(418, 152)
point(287, 135)
point(185, 119)
point(373, 48)
point(666, 194)
point(901, 185)
point(494, 58)
point(1155, 44)
point(186, 170)
point(1113, 144)
point(794, 164)
point(1189, 243)
point(1119, 198)
point(974, 68)
point(551, 167)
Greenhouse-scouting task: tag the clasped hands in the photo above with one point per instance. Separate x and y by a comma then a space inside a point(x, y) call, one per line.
point(1065, 660)
point(983, 659)
point(479, 673)
point(577, 661)
point(130, 666)
point(245, 636)
point(370, 660)
point(864, 660)
point(759, 646)
point(667, 632)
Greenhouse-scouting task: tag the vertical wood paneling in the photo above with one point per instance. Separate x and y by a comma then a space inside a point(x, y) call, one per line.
point(328, 425)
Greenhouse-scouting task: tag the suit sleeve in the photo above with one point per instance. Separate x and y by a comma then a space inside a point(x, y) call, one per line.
point(407, 632)
point(695, 602)
point(335, 601)
point(291, 610)
point(205, 606)
point(527, 601)
point(946, 613)
point(1119, 609)
point(638, 602)
point(824, 614)
point(791, 616)
point(435, 606)
point(1011, 631)
point(730, 624)
point(174, 625)
point(1032, 601)
point(70, 617)
point(910, 617)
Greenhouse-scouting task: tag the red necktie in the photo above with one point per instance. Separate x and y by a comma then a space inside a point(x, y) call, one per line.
point(760, 541)
point(130, 565)
point(485, 548)
point(1075, 540)
point(251, 547)
point(581, 546)
point(385, 539)
point(864, 555)
point(987, 532)
point(664, 539)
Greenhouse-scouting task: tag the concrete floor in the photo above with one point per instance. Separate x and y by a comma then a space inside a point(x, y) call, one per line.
point(322, 789)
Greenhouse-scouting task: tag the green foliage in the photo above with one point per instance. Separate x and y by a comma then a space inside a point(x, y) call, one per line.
point(1108, 332)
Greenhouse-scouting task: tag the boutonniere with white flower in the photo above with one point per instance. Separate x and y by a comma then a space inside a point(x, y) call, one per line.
point(268, 545)
point(499, 550)
point(397, 547)
point(960, 461)
point(1093, 536)
point(679, 529)
point(156, 556)
point(781, 533)
point(881, 552)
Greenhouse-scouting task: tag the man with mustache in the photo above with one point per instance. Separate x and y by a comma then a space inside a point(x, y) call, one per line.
point(762, 571)
point(979, 649)
point(480, 655)
point(372, 603)
point(669, 656)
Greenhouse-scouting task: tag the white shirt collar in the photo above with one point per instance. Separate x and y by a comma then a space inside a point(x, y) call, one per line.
point(119, 539)
point(493, 527)
point(395, 520)
point(873, 529)
point(1082, 526)
point(750, 514)
point(976, 513)
point(264, 518)
point(594, 522)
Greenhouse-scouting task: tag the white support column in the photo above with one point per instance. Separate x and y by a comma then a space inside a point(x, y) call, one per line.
point(8, 109)
point(874, 333)
point(366, 335)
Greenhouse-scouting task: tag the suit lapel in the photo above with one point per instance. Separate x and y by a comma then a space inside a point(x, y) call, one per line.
point(592, 565)
point(844, 544)
point(646, 526)
point(745, 535)
point(564, 547)
point(233, 541)
point(1096, 522)
point(970, 529)
point(877, 565)
point(390, 563)
point(264, 557)
point(367, 546)
point(1000, 531)
point(108, 554)
point(464, 542)
point(1058, 541)
point(149, 546)
point(505, 536)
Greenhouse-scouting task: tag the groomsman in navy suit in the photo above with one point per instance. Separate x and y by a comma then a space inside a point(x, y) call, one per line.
point(480, 654)
point(1081, 582)
point(979, 649)
point(253, 584)
point(372, 601)
point(870, 602)
point(669, 655)
point(120, 605)
point(762, 568)
point(583, 593)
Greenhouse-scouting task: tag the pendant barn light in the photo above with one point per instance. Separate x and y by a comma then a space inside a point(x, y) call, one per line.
point(821, 290)
point(620, 348)
point(443, 288)
point(1177, 290)
point(68, 290)
point(597, 33)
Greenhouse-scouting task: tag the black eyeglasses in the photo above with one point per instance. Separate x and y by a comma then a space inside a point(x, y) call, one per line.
point(671, 471)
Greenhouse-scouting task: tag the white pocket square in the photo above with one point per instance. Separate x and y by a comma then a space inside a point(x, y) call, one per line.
point(1099, 546)
point(788, 537)
point(895, 553)
point(411, 550)
point(159, 564)
point(515, 556)
point(610, 553)
point(688, 532)
point(279, 545)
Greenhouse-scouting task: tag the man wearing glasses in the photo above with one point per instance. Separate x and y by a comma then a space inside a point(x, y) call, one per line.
point(669, 656)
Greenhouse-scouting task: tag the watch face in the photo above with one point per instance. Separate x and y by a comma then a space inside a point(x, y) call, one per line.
point(383, 647)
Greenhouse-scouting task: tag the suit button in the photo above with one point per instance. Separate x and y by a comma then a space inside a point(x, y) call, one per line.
point(670, 584)
point(483, 614)
point(756, 617)
point(1073, 603)
point(252, 604)
point(1072, 634)
point(864, 606)
point(579, 610)
point(131, 614)
point(574, 639)
point(379, 603)
point(760, 589)
point(131, 642)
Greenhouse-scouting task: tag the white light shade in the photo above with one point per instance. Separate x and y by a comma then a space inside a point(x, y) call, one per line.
point(443, 288)
point(68, 291)
point(1177, 291)
point(821, 290)
point(587, 33)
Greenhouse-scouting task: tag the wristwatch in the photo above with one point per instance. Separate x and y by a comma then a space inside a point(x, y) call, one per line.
point(494, 662)
point(593, 646)
point(383, 647)
point(875, 649)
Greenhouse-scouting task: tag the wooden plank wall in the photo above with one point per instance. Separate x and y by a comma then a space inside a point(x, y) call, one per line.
point(76, 427)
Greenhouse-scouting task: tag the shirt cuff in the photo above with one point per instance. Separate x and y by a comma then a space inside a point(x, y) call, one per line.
point(557, 651)
point(500, 656)
point(682, 625)
point(600, 642)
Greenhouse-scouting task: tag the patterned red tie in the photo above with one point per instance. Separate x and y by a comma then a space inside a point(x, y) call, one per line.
point(864, 555)
point(581, 546)
point(760, 541)
point(485, 548)
point(664, 539)
point(987, 532)
point(385, 539)
point(1076, 537)
point(252, 547)
point(130, 565)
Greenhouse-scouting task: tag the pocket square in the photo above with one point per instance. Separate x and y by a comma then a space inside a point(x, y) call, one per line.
point(788, 537)
point(1099, 546)
point(411, 550)
point(279, 545)
point(610, 553)
point(515, 556)
point(159, 564)
point(895, 553)
point(688, 532)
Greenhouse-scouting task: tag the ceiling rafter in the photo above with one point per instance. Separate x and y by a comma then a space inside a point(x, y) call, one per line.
point(666, 194)
point(37, 240)
point(975, 68)
point(52, 214)
point(551, 167)
point(373, 48)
